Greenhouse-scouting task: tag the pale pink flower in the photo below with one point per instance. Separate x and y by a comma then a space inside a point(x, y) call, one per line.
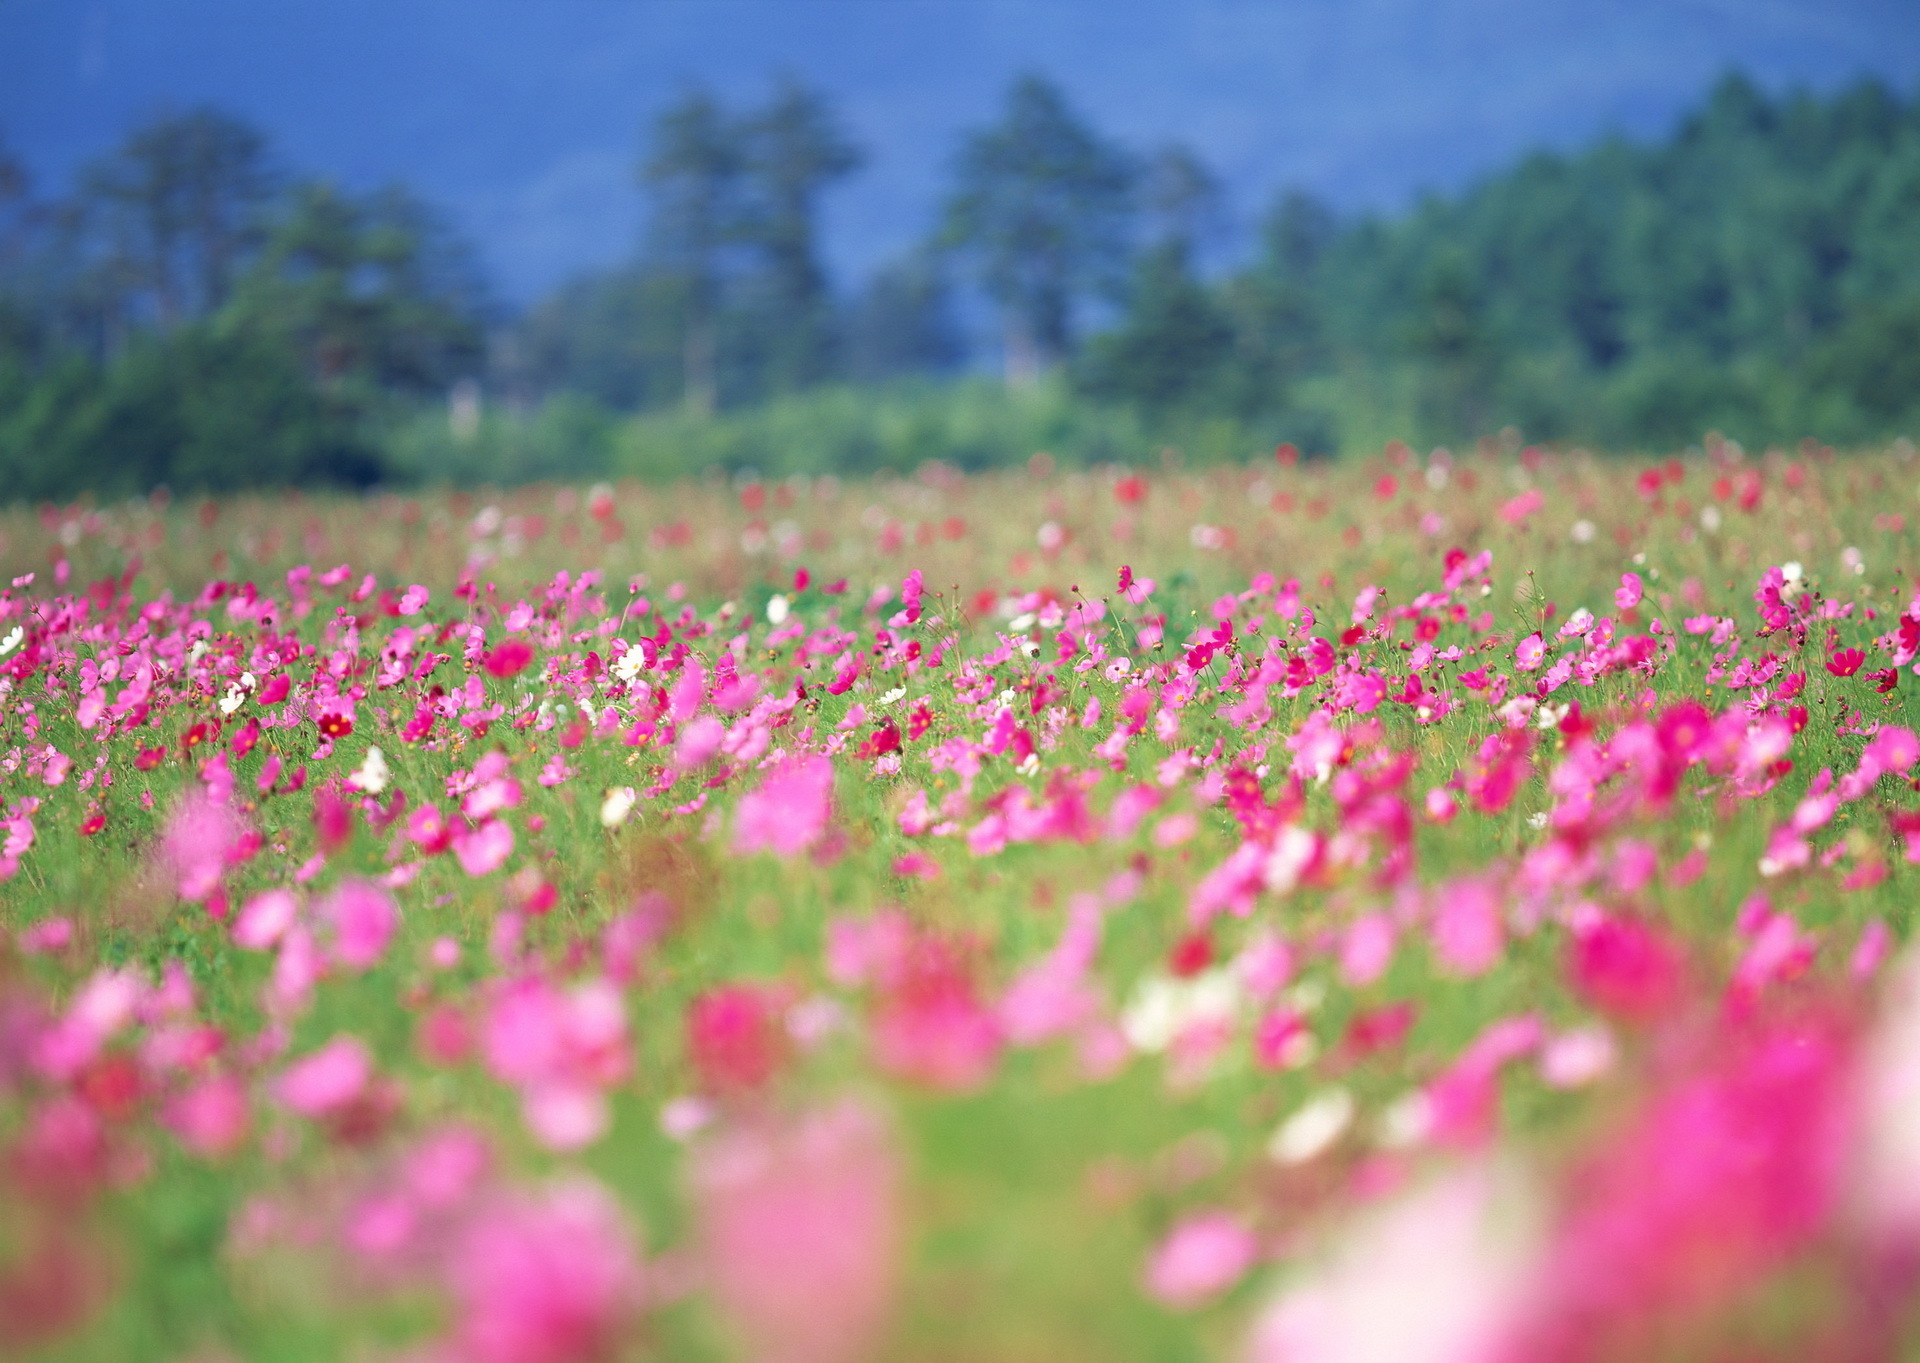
point(211, 1117)
point(800, 1228)
point(1467, 933)
point(198, 836)
point(1201, 1257)
point(363, 919)
point(265, 919)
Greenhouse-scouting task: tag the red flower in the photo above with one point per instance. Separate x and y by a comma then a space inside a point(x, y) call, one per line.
point(1846, 661)
point(1884, 680)
point(1192, 954)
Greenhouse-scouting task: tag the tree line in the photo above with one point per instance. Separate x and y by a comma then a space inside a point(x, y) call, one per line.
point(191, 313)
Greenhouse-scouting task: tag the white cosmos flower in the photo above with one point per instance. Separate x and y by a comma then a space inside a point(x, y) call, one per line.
point(1313, 1129)
point(373, 775)
point(617, 806)
point(631, 664)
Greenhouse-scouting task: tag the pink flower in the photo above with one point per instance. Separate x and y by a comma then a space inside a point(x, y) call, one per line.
point(699, 743)
point(485, 849)
point(1530, 652)
point(561, 1050)
point(211, 1117)
point(734, 1037)
point(548, 1279)
point(800, 1228)
point(414, 599)
point(1627, 969)
point(1201, 1257)
point(198, 837)
point(328, 1080)
point(265, 919)
point(1844, 662)
point(1467, 933)
point(363, 920)
point(430, 830)
point(931, 1026)
point(1628, 594)
point(788, 813)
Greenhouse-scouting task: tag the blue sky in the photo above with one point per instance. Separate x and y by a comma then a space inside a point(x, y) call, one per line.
point(522, 118)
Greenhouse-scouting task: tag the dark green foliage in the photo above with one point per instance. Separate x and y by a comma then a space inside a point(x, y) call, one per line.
point(1041, 206)
point(184, 320)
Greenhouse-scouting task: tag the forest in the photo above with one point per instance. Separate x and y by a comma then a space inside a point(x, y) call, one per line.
point(194, 313)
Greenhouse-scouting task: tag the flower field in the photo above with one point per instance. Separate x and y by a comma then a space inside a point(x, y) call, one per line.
point(1432, 908)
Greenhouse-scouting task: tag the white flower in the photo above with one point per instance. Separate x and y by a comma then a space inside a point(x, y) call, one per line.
point(630, 665)
point(617, 806)
point(1710, 519)
point(1292, 851)
point(1029, 765)
point(777, 608)
point(12, 641)
point(897, 694)
point(233, 700)
point(1584, 531)
point(1022, 622)
point(373, 774)
point(1162, 1007)
point(1313, 1129)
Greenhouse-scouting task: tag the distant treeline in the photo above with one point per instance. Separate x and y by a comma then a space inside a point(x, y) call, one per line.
point(193, 314)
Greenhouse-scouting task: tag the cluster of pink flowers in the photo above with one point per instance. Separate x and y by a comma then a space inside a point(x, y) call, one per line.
point(1544, 957)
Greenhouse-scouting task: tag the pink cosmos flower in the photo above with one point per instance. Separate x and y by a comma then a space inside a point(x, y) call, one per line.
point(1467, 932)
point(799, 1222)
point(429, 829)
point(196, 842)
point(548, 1279)
point(1201, 1257)
point(485, 849)
point(328, 1080)
point(699, 742)
point(789, 811)
point(363, 919)
point(1530, 652)
point(1628, 594)
point(210, 1118)
point(265, 919)
point(510, 659)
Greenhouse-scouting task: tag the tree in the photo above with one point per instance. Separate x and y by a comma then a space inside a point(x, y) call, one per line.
point(181, 207)
point(1184, 198)
point(794, 149)
point(694, 172)
point(1042, 206)
point(1169, 349)
point(371, 291)
point(903, 323)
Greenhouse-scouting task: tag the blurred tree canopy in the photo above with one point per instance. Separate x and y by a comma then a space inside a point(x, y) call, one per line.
point(192, 316)
point(192, 313)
